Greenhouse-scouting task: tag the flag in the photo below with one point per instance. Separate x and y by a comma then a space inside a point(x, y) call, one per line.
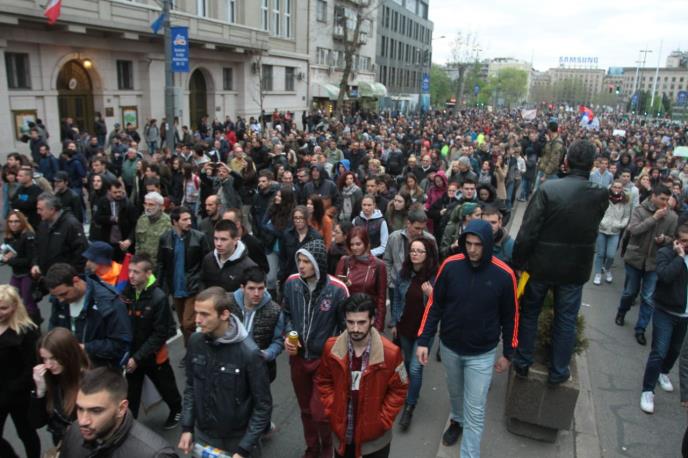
point(529, 115)
point(586, 112)
point(52, 11)
point(155, 26)
point(123, 278)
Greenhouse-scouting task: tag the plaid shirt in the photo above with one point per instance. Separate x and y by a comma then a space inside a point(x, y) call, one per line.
point(350, 420)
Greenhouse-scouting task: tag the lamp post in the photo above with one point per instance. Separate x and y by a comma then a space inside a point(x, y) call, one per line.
point(169, 82)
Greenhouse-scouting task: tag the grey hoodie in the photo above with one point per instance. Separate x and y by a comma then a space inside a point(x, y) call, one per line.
point(235, 333)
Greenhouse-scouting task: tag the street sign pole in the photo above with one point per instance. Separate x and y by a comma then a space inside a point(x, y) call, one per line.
point(169, 82)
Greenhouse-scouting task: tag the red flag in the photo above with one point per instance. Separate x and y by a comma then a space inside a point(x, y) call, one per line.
point(123, 278)
point(52, 11)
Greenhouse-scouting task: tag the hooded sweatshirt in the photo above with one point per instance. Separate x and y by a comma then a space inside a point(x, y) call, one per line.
point(228, 274)
point(475, 303)
point(378, 233)
point(257, 321)
point(311, 306)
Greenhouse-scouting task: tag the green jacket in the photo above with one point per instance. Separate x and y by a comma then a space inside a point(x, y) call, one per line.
point(552, 154)
point(148, 235)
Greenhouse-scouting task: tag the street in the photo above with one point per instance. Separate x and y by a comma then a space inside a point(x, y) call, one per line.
point(615, 364)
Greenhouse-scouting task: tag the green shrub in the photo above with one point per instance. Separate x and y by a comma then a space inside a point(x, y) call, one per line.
point(546, 323)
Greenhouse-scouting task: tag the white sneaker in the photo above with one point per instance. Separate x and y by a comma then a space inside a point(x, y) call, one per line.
point(609, 276)
point(647, 402)
point(665, 383)
point(597, 280)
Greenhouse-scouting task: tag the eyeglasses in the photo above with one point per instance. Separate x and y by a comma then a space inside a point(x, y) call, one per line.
point(417, 251)
point(299, 218)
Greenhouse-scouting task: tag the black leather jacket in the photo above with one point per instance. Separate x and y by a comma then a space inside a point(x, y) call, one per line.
point(672, 280)
point(196, 246)
point(227, 391)
point(556, 241)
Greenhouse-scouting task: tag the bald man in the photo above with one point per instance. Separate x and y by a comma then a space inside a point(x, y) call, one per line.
point(212, 209)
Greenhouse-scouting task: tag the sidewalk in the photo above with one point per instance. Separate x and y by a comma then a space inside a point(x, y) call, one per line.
point(580, 442)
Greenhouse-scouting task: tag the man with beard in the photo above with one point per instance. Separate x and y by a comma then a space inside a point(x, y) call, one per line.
point(104, 425)
point(117, 219)
point(149, 227)
point(213, 215)
point(361, 364)
point(70, 201)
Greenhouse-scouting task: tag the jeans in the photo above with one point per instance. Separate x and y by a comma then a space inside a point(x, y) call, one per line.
point(152, 147)
point(468, 382)
point(567, 302)
point(668, 332)
point(606, 249)
point(413, 368)
point(510, 187)
point(526, 188)
point(631, 287)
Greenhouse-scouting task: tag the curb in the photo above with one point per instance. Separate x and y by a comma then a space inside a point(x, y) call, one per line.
point(586, 439)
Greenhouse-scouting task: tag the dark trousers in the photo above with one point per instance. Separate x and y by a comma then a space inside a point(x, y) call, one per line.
point(162, 377)
point(316, 428)
point(349, 452)
point(668, 332)
point(20, 416)
point(567, 302)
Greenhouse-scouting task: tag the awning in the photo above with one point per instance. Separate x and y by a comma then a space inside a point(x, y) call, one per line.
point(368, 89)
point(325, 90)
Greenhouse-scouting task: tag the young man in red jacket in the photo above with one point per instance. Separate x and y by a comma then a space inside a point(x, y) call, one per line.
point(362, 383)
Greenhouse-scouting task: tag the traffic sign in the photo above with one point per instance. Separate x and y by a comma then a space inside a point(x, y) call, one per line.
point(682, 97)
point(425, 84)
point(180, 49)
point(634, 100)
point(476, 89)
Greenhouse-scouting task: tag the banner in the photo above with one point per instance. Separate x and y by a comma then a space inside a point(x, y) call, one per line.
point(180, 49)
point(529, 115)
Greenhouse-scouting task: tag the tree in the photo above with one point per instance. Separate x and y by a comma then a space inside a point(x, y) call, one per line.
point(352, 24)
point(441, 87)
point(511, 85)
point(464, 51)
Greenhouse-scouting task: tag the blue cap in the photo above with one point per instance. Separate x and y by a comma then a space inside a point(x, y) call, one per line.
point(99, 252)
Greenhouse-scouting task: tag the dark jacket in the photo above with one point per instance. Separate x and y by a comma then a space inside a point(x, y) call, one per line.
point(556, 241)
point(196, 246)
point(366, 276)
point(316, 314)
point(289, 243)
point(24, 199)
point(48, 165)
point(227, 391)
point(23, 245)
point(151, 321)
point(474, 303)
point(102, 326)
point(127, 216)
point(17, 358)
point(261, 202)
point(63, 241)
point(256, 251)
point(324, 188)
point(57, 420)
point(672, 281)
point(72, 203)
point(229, 275)
point(130, 440)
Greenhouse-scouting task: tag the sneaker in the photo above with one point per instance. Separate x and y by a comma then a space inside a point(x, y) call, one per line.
point(609, 278)
point(173, 420)
point(647, 402)
point(620, 318)
point(665, 383)
point(640, 338)
point(452, 434)
point(597, 280)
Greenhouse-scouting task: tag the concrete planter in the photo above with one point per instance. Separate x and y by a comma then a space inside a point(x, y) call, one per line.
point(537, 410)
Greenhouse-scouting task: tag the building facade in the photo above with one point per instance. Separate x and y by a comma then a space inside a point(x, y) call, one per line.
point(670, 81)
point(404, 51)
point(332, 24)
point(102, 56)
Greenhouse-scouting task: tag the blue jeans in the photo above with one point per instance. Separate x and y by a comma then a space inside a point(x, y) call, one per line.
point(632, 287)
point(668, 332)
point(468, 381)
point(606, 249)
point(510, 194)
point(526, 188)
point(567, 302)
point(413, 368)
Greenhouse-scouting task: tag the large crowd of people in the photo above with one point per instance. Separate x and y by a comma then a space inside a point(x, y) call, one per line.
point(348, 243)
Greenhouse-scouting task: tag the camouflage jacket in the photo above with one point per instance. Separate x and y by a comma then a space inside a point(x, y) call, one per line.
point(148, 235)
point(552, 154)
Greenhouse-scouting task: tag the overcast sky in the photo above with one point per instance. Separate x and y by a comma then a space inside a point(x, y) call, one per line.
point(612, 30)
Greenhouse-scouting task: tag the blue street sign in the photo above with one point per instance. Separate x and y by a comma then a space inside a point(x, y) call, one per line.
point(476, 89)
point(634, 99)
point(425, 84)
point(180, 49)
point(682, 97)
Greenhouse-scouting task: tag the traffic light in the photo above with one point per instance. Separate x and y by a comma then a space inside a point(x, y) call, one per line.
point(618, 89)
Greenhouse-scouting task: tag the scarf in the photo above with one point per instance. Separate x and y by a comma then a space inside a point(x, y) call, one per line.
point(347, 201)
point(615, 198)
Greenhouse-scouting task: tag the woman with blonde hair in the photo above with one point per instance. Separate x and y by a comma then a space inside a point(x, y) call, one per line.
point(57, 381)
point(19, 243)
point(18, 336)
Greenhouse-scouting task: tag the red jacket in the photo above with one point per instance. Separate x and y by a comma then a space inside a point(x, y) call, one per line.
point(370, 277)
point(382, 391)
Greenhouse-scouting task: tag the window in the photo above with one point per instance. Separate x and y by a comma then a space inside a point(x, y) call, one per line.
point(18, 74)
point(228, 79)
point(386, 19)
point(400, 54)
point(288, 78)
point(231, 11)
point(267, 78)
point(321, 56)
point(287, 18)
point(392, 48)
point(264, 15)
point(276, 29)
point(395, 22)
point(321, 10)
point(383, 46)
point(423, 10)
point(411, 5)
point(202, 8)
point(125, 74)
